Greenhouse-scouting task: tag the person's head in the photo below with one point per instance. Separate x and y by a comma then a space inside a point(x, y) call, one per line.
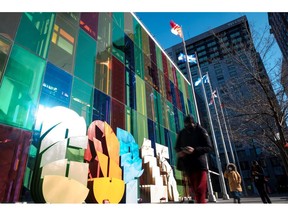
point(231, 167)
point(189, 121)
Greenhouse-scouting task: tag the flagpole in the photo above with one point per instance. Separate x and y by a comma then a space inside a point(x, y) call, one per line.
point(218, 120)
point(218, 161)
point(228, 136)
point(225, 126)
point(211, 196)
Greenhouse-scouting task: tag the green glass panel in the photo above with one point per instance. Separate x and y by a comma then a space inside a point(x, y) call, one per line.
point(85, 57)
point(147, 70)
point(20, 88)
point(170, 74)
point(181, 119)
point(137, 33)
point(164, 112)
point(74, 154)
point(157, 133)
point(63, 41)
point(128, 118)
point(128, 25)
point(82, 99)
point(159, 58)
point(118, 38)
point(141, 95)
point(118, 19)
point(142, 128)
point(171, 117)
point(103, 57)
point(35, 32)
point(158, 108)
point(139, 61)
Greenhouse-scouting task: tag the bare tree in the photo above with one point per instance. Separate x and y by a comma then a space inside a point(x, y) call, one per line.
point(256, 103)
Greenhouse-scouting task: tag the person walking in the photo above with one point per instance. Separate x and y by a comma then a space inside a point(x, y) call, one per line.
point(234, 180)
point(257, 174)
point(192, 143)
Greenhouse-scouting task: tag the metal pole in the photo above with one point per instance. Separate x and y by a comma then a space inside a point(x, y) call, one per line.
point(228, 137)
point(222, 181)
point(211, 196)
point(218, 120)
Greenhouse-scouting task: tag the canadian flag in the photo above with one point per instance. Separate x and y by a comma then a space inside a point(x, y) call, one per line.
point(176, 29)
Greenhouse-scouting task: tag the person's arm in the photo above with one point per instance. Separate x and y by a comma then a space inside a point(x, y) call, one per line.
point(206, 145)
point(178, 146)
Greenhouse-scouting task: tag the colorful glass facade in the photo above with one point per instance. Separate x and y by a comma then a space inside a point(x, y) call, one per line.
point(104, 66)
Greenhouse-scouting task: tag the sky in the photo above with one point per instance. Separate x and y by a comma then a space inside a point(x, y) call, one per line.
point(193, 23)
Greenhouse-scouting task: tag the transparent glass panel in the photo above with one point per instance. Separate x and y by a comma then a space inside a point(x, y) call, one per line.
point(141, 94)
point(85, 58)
point(56, 87)
point(150, 100)
point(162, 89)
point(128, 118)
point(5, 47)
point(9, 24)
point(103, 57)
point(101, 106)
point(82, 99)
point(159, 60)
point(128, 25)
point(89, 23)
point(145, 42)
point(164, 112)
point(147, 70)
point(20, 88)
point(63, 43)
point(34, 32)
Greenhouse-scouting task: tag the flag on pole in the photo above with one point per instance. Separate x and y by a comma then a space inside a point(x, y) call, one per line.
point(214, 95)
point(191, 58)
point(204, 79)
point(176, 29)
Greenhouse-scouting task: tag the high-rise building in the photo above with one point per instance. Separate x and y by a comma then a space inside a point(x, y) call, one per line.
point(103, 66)
point(214, 49)
point(279, 28)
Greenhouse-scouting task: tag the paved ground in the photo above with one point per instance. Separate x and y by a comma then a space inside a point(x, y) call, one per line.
point(253, 200)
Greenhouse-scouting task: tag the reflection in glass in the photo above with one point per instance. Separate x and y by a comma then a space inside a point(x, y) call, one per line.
point(62, 47)
point(34, 32)
point(5, 46)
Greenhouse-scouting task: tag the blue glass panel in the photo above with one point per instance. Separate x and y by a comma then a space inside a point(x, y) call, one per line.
point(101, 106)
point(151, 130)
point(176, 119)
point(56, 88)
point(173, 94)
point(130, 89)
point(129, 53)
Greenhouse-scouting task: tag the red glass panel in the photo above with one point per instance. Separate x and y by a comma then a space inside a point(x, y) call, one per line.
point(117, 115)
point(118, 80)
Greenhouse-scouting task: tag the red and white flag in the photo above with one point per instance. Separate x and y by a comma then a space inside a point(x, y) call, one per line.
point(176, 29)
point(214, 95)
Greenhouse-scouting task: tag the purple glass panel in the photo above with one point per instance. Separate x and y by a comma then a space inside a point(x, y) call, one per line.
point(89, 23)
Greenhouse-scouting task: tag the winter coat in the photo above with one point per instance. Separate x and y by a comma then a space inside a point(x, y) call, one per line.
point(234, 178)
point(199, 139)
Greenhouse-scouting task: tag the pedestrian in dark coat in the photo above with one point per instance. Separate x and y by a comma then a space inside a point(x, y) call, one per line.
point(192, 143)
point(258, 177)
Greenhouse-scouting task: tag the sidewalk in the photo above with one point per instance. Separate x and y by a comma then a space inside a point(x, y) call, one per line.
point(277, 199)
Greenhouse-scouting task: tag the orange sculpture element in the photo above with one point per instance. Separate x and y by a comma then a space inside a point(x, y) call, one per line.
point(60, 189)
point(105, 175)
point(108, 189)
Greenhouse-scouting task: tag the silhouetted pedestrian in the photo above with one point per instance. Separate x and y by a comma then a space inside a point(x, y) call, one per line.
point(258, 177)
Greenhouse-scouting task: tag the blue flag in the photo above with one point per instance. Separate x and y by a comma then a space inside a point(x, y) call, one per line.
point(204, 79)
point(191, 58)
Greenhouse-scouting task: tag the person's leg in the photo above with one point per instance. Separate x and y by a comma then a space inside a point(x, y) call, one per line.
point(261, 192)
point(198, 182)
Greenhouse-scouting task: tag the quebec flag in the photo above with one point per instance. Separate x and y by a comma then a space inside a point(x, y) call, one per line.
point(191, 58)
point(204, 79)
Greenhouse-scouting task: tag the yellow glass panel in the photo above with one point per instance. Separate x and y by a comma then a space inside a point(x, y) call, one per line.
point(60, 189)
point(103, 161)
point(112, 143)
point(111, 189)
